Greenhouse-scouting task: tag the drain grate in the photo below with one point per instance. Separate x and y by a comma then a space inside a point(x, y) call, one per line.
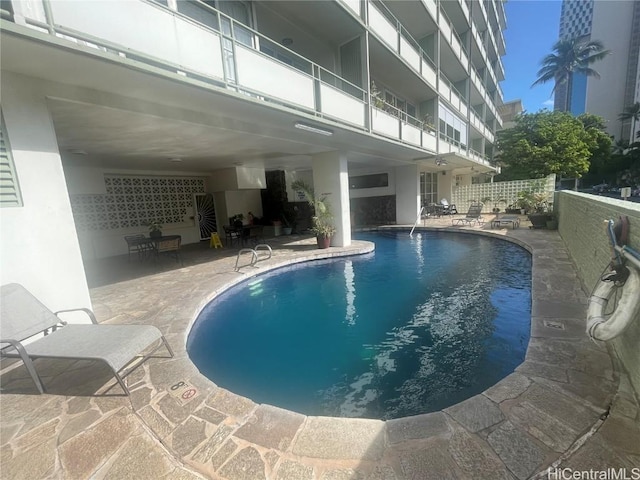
point(554, 325)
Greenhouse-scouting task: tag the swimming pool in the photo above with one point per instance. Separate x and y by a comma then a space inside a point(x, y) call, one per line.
point(419, 325)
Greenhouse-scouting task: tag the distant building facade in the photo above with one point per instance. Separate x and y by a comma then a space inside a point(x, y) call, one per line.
point(617, 26)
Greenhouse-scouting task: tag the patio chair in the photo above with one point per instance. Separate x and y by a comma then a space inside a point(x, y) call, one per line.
point(23, 316)
point(169, 246)
point(448, 208)
point(136, 243)
point(474, 215)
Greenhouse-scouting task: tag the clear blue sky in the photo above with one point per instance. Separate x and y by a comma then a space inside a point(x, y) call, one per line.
point(532, 29)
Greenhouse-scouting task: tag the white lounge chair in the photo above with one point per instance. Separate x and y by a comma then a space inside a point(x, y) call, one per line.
point(23, 316)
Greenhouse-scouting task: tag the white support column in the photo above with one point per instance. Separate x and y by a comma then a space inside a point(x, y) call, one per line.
point(39, 244)
point(407, 194)
point(331, 176)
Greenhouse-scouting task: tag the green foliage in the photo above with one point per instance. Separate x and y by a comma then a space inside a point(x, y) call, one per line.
point(547, 142)
point(322, 218)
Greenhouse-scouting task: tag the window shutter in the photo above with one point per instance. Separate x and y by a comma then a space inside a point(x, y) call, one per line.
point(9, 189)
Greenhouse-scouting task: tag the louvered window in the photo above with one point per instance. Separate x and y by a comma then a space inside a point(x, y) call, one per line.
point(9, 189)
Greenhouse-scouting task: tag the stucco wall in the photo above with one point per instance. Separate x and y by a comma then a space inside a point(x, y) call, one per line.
point(581, 226)
point(39, 246)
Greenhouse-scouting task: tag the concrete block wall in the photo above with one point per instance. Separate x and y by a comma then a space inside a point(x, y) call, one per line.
point(581, 224)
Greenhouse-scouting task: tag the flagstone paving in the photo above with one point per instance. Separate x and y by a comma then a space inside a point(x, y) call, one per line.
point(566, 406)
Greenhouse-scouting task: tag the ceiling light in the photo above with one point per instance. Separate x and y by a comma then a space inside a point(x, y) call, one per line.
point(440, 162)
point(175, 160)
point(77, 151)
point(311, 128)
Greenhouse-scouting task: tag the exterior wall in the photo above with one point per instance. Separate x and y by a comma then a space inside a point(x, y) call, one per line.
point(241, 201)
point(108, 240)
point(580, 224)
point(39, 245)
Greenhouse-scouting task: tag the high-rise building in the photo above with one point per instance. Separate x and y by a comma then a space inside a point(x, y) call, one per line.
point(122, 113)
point(617, 26)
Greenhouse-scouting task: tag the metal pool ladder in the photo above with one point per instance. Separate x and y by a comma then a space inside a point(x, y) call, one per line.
point(255, 257)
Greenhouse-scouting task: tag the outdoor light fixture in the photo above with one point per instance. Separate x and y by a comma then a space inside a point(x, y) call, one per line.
point(311, 128)
point(175, 160)
point(440, 162)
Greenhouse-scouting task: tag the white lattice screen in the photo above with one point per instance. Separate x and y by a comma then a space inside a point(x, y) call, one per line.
point(135, 200)
point(464, 196)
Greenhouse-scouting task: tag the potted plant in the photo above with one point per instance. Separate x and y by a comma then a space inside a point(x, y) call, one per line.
point(155, 228)
point(322, 220)
point(539, 214)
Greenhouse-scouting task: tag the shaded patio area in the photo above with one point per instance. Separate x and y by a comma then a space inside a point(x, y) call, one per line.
point(566, 406)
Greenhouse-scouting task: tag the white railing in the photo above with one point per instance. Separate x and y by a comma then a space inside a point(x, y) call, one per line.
point(454, 41)
point(239, 59)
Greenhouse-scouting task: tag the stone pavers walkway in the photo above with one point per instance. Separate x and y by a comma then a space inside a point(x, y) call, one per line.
point(564, 407)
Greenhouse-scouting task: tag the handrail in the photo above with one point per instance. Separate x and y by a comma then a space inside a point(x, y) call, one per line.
point(417, 220)
point(255, 257)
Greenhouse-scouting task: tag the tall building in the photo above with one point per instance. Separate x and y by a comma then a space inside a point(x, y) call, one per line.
point(617, 26)
point(121, 113)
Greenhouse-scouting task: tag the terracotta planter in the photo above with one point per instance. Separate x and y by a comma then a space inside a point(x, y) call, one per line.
point(323, 242)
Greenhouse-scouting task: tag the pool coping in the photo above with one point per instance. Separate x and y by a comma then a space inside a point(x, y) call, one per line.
point(549, 412)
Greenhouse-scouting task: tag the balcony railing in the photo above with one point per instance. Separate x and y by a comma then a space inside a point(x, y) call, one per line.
point(392, 122)
point(201, 42)
point(458, 47)
point(389, 29)
point(452, 95)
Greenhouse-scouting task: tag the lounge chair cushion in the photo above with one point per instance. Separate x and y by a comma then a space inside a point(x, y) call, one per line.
point(114, 344)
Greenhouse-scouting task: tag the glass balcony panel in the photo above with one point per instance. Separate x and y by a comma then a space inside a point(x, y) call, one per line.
point(30, 9)
point(340, 105)
point(429, 74)
point(445, 28)
point(432, 8)
point(385, 123)
point(444, 90)
point(353, 5)
point(429, 141)
point(381, 26)
point(166, 37)
point(410, 55)
point(411, 134)
point(260, 74)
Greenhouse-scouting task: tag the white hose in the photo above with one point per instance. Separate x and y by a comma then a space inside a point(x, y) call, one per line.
point(628, 308)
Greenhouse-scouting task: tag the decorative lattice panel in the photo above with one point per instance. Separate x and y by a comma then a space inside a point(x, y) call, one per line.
point(463, 196)
point(136, 200)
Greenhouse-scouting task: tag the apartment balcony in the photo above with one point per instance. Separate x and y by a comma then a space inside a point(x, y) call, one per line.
point(395, 36)
point(453, 40)
point(397, 125)
point(453, 96)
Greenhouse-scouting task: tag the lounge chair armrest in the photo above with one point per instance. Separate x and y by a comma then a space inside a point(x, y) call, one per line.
point(89, 313)
point(15, 344)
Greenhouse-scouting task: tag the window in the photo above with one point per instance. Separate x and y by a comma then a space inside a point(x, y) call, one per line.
point(9, 188)
point(369, 181)
point(428, 188)
point(452, 129)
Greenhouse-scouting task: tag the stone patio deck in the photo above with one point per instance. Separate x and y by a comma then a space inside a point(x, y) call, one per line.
point(566, 406)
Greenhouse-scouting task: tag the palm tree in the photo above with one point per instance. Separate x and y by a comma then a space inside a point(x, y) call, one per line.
point(570, 56)
point(631, 113)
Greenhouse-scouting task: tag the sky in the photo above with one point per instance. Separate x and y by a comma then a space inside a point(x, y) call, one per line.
point(532, 29)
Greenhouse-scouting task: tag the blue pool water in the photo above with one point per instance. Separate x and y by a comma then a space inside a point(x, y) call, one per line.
point(422, 323)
